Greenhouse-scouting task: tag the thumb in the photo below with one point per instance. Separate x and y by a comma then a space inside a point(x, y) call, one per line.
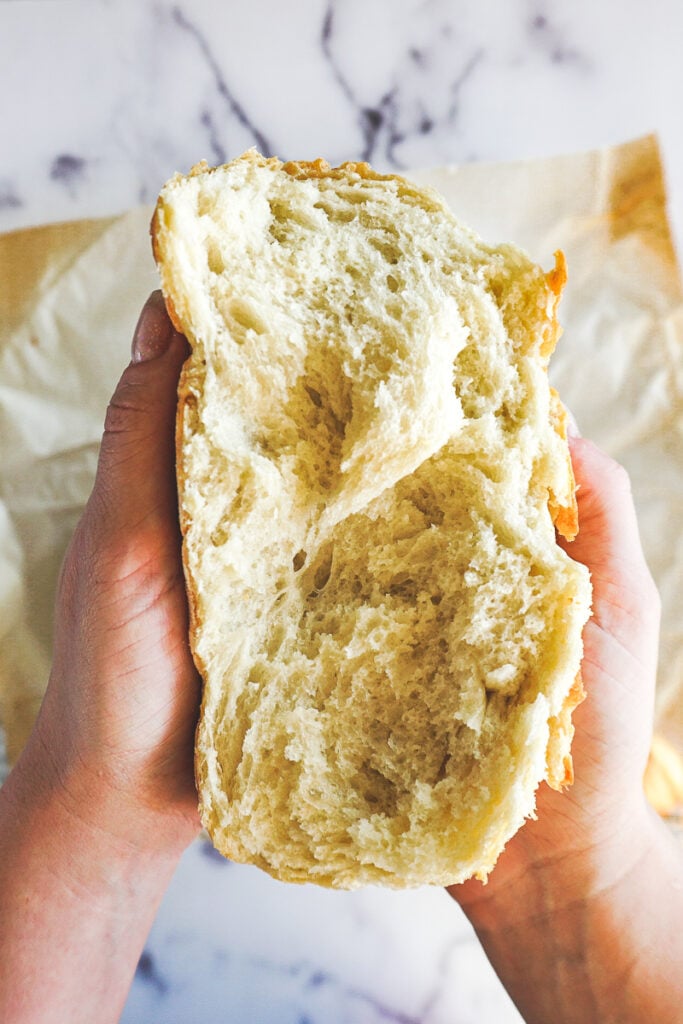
point(608, 529)
point(625, 599)
point(135, 479)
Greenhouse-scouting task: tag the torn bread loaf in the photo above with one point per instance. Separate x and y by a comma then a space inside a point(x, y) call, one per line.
point(370, 466)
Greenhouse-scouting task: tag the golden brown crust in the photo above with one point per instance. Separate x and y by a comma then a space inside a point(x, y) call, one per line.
point(321, 169)
point(556, 280)
point(564, 516)
point(185, 398)
point(154, 229)
point(560, 768)
point(154, 234)
point(563, 508)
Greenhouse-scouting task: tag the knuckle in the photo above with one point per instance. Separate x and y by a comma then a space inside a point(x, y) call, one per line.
point(124, 406)
point(621, 475)
point(616, 473)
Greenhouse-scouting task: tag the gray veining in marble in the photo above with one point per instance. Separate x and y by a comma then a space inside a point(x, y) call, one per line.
point(125, 94)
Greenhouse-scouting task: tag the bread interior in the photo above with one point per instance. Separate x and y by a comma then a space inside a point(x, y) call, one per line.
point(385, 624)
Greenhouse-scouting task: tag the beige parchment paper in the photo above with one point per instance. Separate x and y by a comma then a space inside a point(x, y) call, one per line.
point(70, 295)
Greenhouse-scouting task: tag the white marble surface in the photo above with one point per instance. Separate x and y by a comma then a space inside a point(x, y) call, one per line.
point(232, 945)
point(101, 101)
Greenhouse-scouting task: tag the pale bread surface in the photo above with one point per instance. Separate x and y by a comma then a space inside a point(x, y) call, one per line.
point(370, 466)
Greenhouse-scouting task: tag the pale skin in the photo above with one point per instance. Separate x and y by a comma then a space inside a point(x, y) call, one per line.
point(580, 917)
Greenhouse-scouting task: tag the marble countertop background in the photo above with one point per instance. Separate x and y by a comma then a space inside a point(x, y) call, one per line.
point(101, 101)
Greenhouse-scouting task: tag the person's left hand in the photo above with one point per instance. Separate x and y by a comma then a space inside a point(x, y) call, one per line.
point(117, 723)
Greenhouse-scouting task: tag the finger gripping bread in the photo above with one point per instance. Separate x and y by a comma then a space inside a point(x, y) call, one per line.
point(370, 464)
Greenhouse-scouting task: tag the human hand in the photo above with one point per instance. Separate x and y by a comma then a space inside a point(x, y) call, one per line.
point(101, 804)
point(567, 915)
point(116, 728)
point(614, 723)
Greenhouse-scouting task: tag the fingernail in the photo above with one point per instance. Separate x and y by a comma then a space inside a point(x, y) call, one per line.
point(153, 332)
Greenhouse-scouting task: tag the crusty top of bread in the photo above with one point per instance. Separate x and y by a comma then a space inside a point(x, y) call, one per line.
point(370, 466)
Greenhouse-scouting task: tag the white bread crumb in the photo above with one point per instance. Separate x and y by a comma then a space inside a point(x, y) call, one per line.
point(370, 464)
